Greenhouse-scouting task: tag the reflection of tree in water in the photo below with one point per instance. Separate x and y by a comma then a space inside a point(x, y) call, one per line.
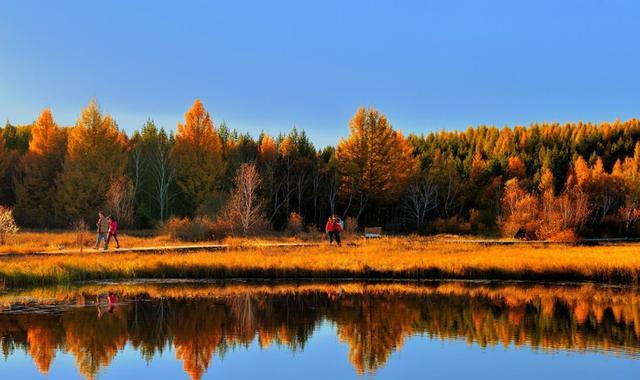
point(43, 337)
point(198, 331)
point(373, 326)
point(373, 320)
point(148, 327)
point(95, 341)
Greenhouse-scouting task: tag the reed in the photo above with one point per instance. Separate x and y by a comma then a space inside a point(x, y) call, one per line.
point(394, 257)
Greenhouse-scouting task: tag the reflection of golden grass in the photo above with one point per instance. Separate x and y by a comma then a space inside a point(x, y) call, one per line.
point(374, 319)
point(582, 300)
point(401, 257)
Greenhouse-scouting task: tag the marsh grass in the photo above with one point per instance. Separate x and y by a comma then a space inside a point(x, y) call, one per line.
point(26, 242)
point(42, 241)
point(393, 257)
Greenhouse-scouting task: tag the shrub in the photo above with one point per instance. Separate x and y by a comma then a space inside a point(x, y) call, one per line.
point(452, 225)
point(200, 228)
point(566, 236)
point(220, 228)
point(350, 225)
point(233, 242)
point(295, 223)
point(8, 224)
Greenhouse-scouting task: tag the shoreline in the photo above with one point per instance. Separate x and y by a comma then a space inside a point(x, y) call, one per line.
point(372, 260)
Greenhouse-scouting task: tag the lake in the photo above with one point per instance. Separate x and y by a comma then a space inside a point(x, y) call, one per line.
point(334, 330)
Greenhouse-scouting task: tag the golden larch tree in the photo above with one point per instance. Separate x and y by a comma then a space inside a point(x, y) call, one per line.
point(96, 155)
point(38, 169)
point(197, 156)
point(375, 161)
point(627, 174)
point(268, 150)
point(516, 168)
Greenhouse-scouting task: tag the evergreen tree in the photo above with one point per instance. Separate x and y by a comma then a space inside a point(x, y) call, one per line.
point(156, 189)
point(96, 155)
point(38, 169)
point(197, 157)
point(375, 161)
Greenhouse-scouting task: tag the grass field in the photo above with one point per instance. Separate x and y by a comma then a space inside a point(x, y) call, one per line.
point(27, 242)
point(38, 241)
point(392, 257)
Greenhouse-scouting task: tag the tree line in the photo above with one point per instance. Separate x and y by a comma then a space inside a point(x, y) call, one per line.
point(543, 181)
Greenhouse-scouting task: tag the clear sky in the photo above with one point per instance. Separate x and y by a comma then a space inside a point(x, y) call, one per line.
point(269, 65)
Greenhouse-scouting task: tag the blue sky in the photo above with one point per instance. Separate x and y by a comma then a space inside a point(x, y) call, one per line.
point(269, 65)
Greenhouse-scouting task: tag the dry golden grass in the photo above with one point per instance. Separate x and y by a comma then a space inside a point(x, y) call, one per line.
point(396, 257)
point(40, 241)
point(27, 242)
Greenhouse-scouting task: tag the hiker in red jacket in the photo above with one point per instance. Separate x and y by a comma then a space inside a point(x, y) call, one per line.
point(113, 232)
point(333, 229)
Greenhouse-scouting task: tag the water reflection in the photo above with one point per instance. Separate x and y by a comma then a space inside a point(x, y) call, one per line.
point(202, 320)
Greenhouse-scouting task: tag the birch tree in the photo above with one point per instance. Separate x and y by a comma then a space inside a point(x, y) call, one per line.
point(245, 208)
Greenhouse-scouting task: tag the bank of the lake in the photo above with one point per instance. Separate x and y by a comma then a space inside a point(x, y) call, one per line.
point(397, 258)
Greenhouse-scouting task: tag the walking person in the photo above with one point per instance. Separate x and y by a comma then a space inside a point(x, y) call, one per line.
point(337, 229)
point(333, 229)
point(113, 231)
point(103, 229)
point(329, 228)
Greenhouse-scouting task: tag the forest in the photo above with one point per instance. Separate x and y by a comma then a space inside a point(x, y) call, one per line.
point(542, 181)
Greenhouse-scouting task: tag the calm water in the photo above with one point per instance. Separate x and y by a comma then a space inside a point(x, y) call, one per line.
point(321, 331)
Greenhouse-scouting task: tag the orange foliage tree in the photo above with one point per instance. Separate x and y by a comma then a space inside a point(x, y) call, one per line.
point(96, 155)
point(375, 161)
point(520, 209)
point(516, 167)
point(197, 156)
point(628, 175)
point(544, 215)
point(39, 167)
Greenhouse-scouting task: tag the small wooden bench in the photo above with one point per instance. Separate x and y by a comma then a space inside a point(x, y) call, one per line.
point(372, 232)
